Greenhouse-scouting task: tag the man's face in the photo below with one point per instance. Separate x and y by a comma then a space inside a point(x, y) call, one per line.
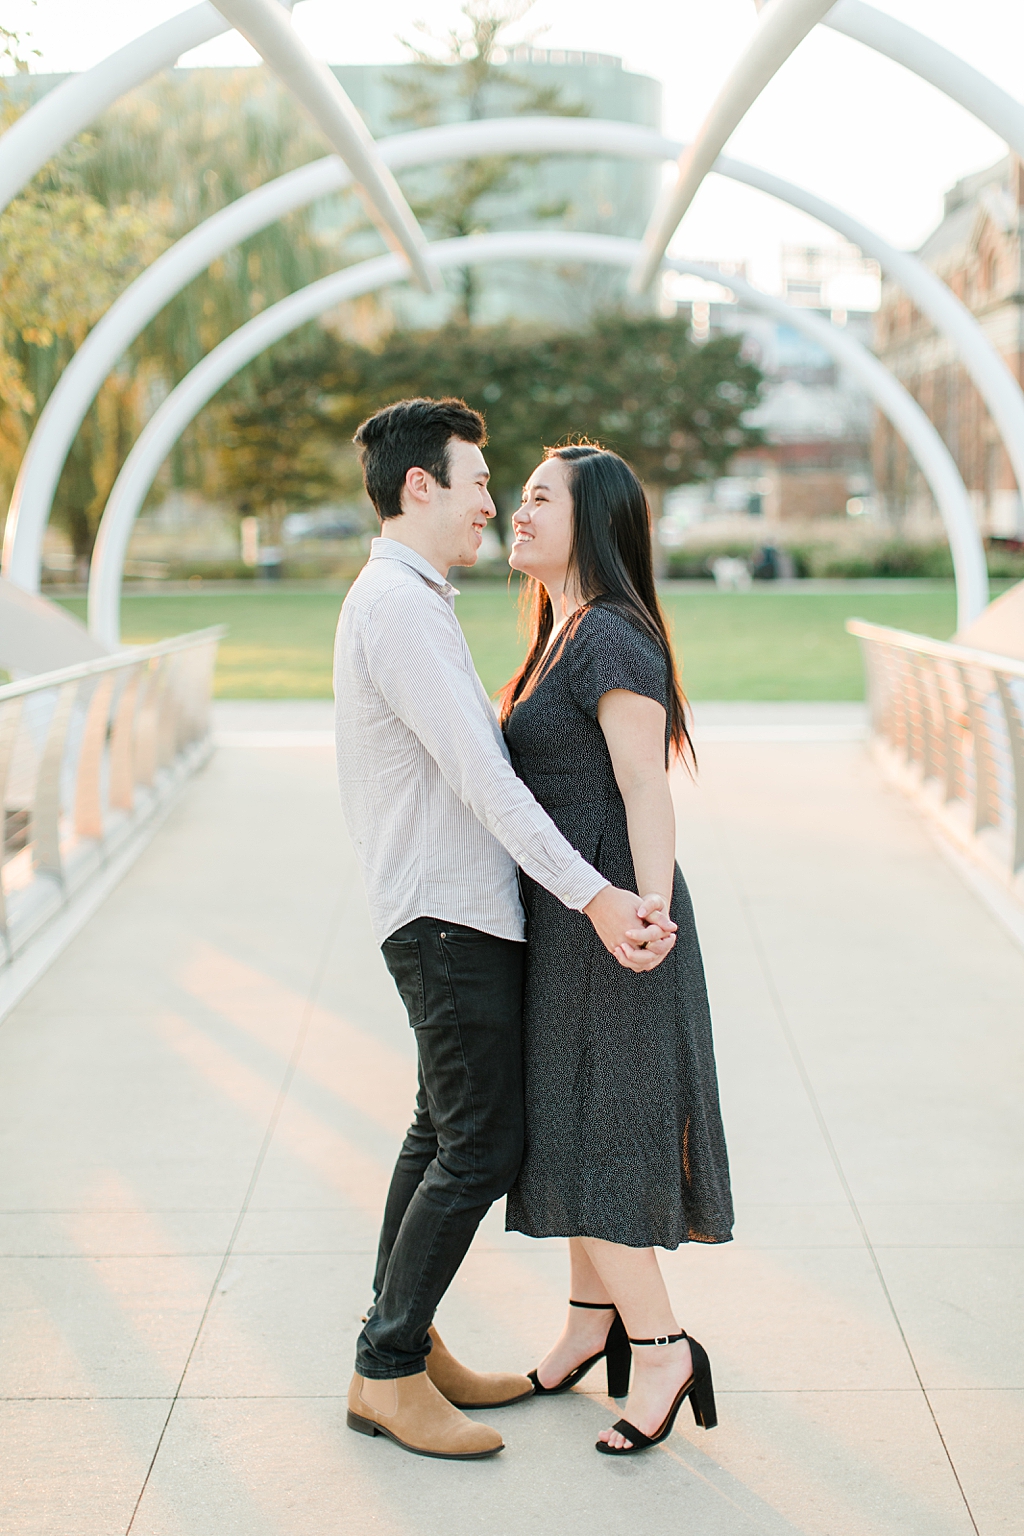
point(464, 507)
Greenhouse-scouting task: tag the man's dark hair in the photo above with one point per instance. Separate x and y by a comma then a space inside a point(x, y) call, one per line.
point(412, 434)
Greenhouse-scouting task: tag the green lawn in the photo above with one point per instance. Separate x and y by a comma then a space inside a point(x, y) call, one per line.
point(790, 645)
point(733, 645)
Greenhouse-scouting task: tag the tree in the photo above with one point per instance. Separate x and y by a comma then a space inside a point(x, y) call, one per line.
point(151, 168)
point(64, 258)
point(467, 81)
point(276, 449)
point(673, 408)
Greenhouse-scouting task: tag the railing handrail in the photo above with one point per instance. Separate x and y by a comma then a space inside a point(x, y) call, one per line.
point(948, 650)
point(123, 658)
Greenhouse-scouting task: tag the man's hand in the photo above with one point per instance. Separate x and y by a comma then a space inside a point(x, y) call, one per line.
point(641, 953)
point(638, 933)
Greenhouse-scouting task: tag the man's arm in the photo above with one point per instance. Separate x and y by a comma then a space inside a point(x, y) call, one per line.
point(418, 662)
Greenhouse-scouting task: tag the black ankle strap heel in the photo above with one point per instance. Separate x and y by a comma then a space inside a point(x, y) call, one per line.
point(698, 1389)
point(616, 1354)
point(666, 1338)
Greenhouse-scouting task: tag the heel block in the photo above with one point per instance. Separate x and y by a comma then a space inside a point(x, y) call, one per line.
point(360, 1425)
point(702, 1393)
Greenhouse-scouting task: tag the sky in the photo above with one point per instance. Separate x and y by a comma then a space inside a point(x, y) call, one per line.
point(837, 119)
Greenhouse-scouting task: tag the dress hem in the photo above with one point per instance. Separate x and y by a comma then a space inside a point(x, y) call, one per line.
point(707, 1238)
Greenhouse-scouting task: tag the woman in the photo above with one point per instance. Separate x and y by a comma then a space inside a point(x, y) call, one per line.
point(624, 1143)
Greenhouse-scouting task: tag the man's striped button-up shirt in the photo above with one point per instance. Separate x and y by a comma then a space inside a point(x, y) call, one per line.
point(438, 818)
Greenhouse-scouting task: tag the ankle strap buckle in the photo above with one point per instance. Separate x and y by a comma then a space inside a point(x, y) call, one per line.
point(665, 1339)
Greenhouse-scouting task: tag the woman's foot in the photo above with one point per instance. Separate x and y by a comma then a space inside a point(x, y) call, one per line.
point(658, 1373)
point(584, 1334)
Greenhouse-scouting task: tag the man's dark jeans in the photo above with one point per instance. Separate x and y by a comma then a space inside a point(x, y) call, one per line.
point(464, 994)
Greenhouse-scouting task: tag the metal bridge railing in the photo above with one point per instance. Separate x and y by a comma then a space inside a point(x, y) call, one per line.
point(89, 755)
point(948, 725)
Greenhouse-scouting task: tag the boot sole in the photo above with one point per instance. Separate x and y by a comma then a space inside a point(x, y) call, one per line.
point(506, 1402)
point(370, 1427)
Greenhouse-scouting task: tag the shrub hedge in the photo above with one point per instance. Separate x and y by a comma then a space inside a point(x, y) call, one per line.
point(889, 558)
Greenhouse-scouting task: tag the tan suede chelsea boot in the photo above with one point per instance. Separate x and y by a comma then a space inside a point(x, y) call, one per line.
point(472, 1389)
point(412, 1412)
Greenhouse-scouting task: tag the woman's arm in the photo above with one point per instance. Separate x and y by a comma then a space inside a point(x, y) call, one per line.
point(634, 730)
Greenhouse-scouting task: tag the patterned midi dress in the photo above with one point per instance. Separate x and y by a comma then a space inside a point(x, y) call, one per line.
point(624, 1135)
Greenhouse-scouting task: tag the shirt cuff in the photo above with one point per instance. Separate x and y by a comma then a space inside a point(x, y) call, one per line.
point(579, 885)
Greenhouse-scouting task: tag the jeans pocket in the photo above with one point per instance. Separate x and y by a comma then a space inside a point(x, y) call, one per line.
point(402, 958)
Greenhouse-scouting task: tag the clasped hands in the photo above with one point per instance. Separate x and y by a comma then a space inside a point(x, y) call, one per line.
point(638, 933)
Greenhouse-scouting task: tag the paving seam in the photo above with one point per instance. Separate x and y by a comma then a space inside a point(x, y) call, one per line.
point(316, 982)
point(785, 1027)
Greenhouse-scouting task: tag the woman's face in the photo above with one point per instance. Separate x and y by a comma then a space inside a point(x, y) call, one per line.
point(543, 525)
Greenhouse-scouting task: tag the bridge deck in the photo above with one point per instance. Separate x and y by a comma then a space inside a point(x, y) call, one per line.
point(201, 1100)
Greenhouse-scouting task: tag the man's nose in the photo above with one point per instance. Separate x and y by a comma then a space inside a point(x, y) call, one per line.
point(489, 508)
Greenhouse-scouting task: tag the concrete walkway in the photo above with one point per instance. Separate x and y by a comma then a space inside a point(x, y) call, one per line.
point(200, 1103)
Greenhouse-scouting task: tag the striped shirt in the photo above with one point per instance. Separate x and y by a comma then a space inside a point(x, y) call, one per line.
point(438, 818)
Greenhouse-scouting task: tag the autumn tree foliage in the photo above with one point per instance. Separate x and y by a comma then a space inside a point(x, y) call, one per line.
point(674, 408)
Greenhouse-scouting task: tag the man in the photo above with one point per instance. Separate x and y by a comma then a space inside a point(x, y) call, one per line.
point(440, 821)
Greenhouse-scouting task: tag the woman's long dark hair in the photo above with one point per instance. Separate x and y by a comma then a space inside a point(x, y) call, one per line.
point(611, 561)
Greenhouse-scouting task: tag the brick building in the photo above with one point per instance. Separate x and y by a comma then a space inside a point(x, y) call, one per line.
point(816, 458)
point(978, 252)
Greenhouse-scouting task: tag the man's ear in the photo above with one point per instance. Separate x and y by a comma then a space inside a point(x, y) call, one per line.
point(418, 486)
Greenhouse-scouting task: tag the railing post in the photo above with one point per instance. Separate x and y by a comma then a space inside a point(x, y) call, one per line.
point(952, 730)
point(88, 785)
point(1015, 737)
point(147, 723)
point(917, 713)
point(984, 779)
point(46, 855)
point(932, 718)
point(902, 738)
point(168, 711)
point(122, 744)
point(10, 719)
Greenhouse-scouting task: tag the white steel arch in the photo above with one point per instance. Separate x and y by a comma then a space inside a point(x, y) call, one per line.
point(65, 111)
point(778, 35)
point(783, 25)
point(183, 403)
point(62, 114)
point(67, 405)
point(975, 92)
point(267, 27)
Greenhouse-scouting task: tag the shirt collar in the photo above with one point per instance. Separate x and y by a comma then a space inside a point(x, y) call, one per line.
point(392, 549)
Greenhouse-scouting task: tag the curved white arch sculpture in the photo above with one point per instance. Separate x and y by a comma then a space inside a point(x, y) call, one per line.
point(783, 24)
point(64, 112)
point(41, 131)
point(67, 405)
point(961, 82)
point(45, 128)
point(319, 94)
point(975, 92)
point(766, 53)
point(162, 431)
point(775, 40)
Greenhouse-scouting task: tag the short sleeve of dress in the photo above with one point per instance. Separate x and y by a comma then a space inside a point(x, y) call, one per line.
point(606, 651)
